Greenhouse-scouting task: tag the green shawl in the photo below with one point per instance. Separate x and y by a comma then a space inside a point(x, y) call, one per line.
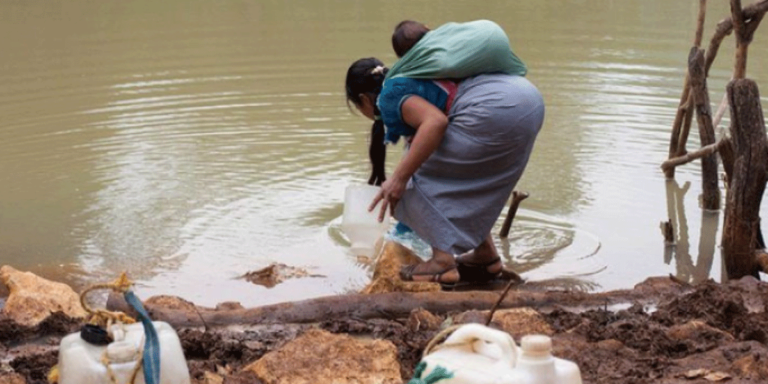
point(460, 50)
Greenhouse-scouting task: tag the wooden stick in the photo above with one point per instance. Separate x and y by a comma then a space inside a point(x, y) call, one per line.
point(725, 27)
point(721, 111)
point(710, 185)
point(691, 156)
point(685, 131)
point(517, 198)
point(501, 298)
point(674, 142)
point(700, 23)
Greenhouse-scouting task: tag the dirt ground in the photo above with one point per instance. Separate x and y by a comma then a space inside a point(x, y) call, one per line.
point(714, 333)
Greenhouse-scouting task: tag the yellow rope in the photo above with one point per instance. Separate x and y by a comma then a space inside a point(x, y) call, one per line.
point(111, 374)
point(103, 317)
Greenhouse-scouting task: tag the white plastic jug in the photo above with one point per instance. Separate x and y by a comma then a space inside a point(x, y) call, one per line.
point(362, 227)
point(536, 365)
point(81, 362)
point(476, 354)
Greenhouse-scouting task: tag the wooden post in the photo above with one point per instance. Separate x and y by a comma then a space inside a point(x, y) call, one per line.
point(517, 198)
point(750, 173)
point(710, 185)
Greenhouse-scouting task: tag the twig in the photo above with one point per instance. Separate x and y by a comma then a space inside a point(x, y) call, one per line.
point(501, 298)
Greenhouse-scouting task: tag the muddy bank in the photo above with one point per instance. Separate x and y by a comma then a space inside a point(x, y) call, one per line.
point(710, 333)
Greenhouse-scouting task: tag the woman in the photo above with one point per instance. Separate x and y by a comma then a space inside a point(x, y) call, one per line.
point(468, 145)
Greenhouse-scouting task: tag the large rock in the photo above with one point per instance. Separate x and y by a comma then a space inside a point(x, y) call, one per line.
point(386, 273)
point(32, 299)
point(518, 322)
point(11, 378)
point(318, 356)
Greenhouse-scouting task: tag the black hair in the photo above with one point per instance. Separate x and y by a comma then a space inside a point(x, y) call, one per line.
point(407, 33)
point(363, 78)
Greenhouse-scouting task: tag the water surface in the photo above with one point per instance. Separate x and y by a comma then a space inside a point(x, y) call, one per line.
point(188, 142)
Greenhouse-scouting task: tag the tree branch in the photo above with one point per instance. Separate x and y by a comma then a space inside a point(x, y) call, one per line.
point(725, 27)
point(703, 151)
point(700, 23)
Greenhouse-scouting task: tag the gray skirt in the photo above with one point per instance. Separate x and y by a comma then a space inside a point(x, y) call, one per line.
point(455, 197)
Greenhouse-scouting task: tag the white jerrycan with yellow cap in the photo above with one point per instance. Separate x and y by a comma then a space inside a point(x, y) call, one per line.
point(476, 354)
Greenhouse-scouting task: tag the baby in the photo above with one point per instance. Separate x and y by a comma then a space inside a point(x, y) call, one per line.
point(406, 35)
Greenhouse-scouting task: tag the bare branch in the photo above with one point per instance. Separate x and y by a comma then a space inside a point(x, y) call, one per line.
point(700, 23)
point(691, 156)
point(725, 27)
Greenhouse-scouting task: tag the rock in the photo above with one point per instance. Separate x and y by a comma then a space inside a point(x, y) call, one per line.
point(212, 378)
point(518, 322)
point(753, 366)
point(170, 302)
point(610, 344)
point(695, 330)
point(275, 274)
point(386, 273)
point(318, 356)
point(32, 299)
point(11, 378)
point(421, 319)
point(229, 306)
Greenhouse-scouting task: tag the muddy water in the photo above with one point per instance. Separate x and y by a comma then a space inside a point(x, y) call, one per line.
point(188, 142)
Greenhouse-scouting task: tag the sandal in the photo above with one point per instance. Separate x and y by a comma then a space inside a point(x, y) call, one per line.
point(407, 274)
point(478, 272)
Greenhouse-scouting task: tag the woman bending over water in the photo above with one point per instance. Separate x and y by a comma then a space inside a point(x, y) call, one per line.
point(467, 146)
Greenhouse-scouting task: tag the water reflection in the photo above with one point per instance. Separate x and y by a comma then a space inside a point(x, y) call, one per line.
point(685, 269)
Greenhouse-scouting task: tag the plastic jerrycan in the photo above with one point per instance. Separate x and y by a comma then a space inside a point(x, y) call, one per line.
point(83, 363)
point(475, 354)
point(536, 365)
point(362, 227)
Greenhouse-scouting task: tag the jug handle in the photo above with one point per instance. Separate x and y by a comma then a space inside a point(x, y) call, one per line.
point(472, 332)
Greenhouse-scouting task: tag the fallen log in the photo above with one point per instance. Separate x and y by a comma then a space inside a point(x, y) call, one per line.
point(400, 304)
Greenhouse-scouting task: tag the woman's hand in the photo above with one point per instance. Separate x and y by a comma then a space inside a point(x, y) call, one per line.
point(389, 195)
point(430, 124)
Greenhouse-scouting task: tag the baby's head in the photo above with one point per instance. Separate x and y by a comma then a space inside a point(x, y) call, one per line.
point(406, 35)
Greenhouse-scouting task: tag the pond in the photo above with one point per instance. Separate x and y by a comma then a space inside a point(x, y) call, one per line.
point(188, 142)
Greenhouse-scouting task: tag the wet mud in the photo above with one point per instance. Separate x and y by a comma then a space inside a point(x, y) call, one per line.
point(714, 333)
